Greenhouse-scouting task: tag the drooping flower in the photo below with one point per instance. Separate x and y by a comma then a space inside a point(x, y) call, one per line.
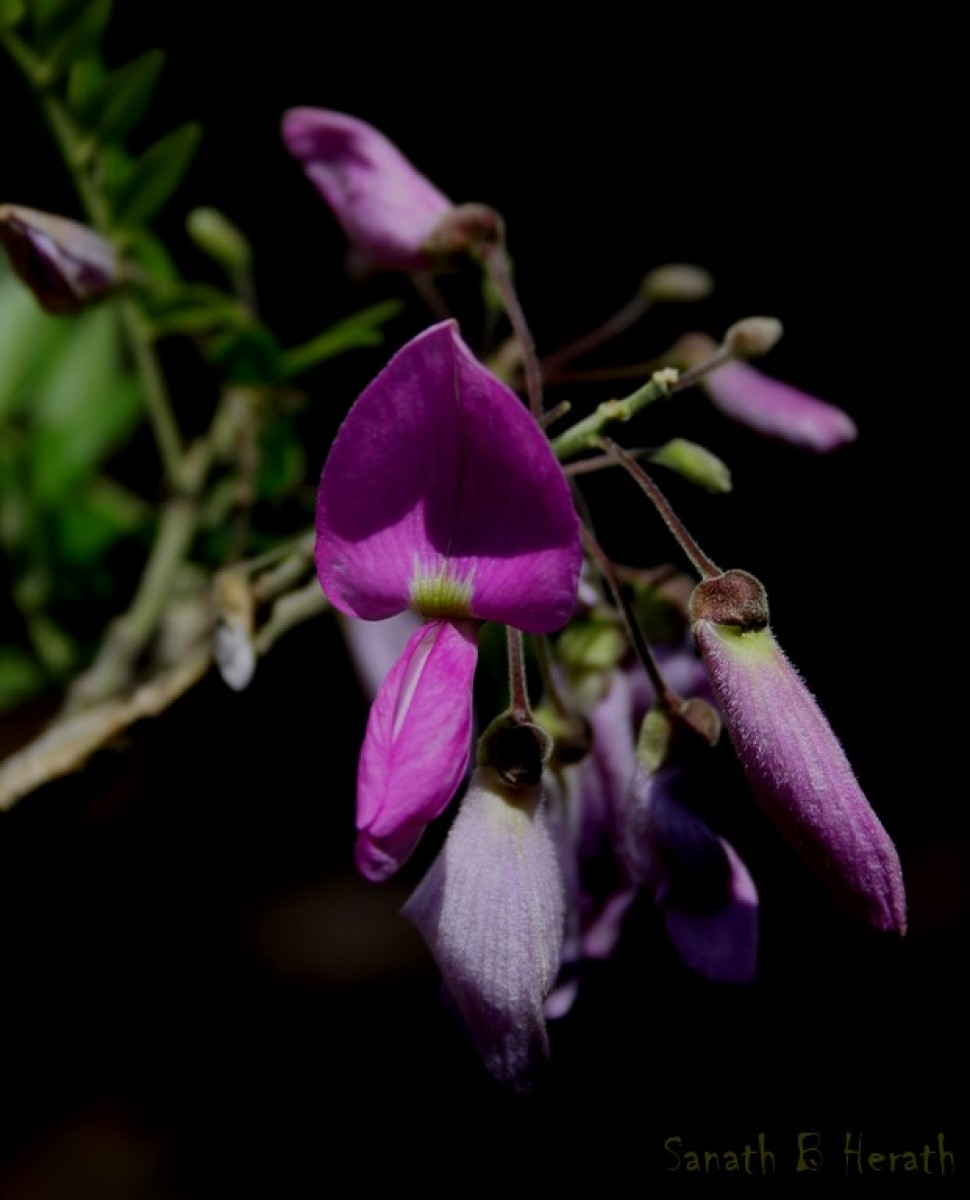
point(491, 910)
point(393, 216)
point(793, 761)
point(704, 890)
point(65, 264)
point(770, 407)
point(442, 495)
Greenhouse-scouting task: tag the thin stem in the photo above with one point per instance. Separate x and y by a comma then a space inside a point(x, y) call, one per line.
point(665, 696)
point(628, 315)
point(160, 413)
point(70, 143)
point(497, 263)
point(688, 378)
point(600, 462)
point(585, 433)
point(518, 686)
point(699, 560)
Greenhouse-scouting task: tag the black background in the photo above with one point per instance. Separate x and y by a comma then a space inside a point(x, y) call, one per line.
point(199, 996)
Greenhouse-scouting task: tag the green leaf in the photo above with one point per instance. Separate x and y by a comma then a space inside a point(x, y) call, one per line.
point(30, 341)
point(250, 355)
point(125, 95)
point(21, 677)
point(78, 37)
point(87, 408)
point(11, 13)
point(154, 177)
point(84, 88)
point(101, 516)
point(361, 330)
point(282, 464)
point(194, 308)
point(152, 256)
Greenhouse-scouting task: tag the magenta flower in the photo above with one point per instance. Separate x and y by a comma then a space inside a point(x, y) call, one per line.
point(65, 264)
point(768, 406)
point(793, 761)
point(491, 910)
point(705, 892)
point(777, 409)
point(387, 209)
point(442, 495)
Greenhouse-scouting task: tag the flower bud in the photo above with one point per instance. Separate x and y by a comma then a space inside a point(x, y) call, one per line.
point(694, 463)
point(793, 761)
point(753, 337)
point(66, 265)
point(219, 238)
point(677, 283)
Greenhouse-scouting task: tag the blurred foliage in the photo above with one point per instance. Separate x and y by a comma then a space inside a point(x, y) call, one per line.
point(73, 389)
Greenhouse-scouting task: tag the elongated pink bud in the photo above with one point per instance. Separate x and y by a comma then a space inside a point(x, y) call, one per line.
point(793, 761)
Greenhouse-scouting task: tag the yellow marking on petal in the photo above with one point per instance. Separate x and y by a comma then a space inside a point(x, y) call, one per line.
point(440, 593)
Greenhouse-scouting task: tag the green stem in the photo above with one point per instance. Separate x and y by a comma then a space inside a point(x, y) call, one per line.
point(583, 435)
point(704, 566)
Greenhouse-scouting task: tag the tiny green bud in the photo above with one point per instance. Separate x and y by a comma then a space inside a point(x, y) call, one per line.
point(753, 337)
point(677, 283)
point(219, 238)
point(695, 464)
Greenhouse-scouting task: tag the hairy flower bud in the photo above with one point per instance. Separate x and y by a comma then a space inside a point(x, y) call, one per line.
point(793, 761)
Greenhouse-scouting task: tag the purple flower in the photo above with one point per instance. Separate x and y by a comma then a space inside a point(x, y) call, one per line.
point(777, 409)
point(387, 209)
point(588, 814)
point(65, 264)
point(793, 761)
point(770, 407)
point(442, 495)
point(491, 910)
point(707, 897)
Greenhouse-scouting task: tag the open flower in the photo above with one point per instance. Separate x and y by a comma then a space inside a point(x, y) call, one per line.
point(491, 910)
point(793, 761)
point(442, 495)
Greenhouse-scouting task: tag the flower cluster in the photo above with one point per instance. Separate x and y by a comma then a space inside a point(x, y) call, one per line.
point(442, 496)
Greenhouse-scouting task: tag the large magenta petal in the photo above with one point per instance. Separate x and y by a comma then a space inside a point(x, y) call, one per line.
point(387, 209)
point(491, 910)
point(417, 744)
point(441, 493)
point(799, 772)
point(777, 409)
